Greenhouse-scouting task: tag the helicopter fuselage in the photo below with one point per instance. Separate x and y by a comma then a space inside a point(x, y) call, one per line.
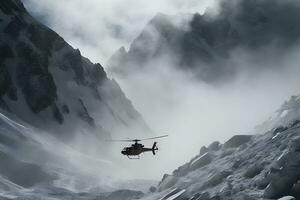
point(137, 148)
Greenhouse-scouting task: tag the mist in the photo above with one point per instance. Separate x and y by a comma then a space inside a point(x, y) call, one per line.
point(195, 113)
point(192, 112)
point(99, 27)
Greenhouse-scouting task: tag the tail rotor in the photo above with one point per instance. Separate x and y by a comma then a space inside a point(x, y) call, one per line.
point(154, 148)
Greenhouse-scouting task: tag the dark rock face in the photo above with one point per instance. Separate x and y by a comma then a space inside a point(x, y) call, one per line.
point(8, 6)
point(14, 27)
point(58, 116)
point(39, 70)
point(5, 81)
point(34, 79)
point(75, 62)
point(84, 114)
point(43, 38)
point(237, 141)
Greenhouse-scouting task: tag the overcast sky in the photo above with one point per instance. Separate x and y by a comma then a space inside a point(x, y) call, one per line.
point(99, 27)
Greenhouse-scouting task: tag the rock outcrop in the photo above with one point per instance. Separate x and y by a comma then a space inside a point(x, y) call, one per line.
point(42, 77)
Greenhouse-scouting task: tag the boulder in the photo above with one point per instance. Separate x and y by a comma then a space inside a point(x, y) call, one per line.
point(182, 170)
point(201, 161)
point(295, 191)
point(216, 179)
point(295, 145)
point(237, 141)
point(279, 129)
point(203, 150)
point(167, 182)
point(215, 146)
point(252, 171)
point(152, 189)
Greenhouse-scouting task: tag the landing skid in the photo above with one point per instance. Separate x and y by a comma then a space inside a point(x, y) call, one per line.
point(134, 157)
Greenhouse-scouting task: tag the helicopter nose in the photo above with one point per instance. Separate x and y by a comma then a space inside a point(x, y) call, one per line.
point(123, 152)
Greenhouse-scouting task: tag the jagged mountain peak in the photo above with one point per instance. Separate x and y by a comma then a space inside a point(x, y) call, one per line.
point(205, 43)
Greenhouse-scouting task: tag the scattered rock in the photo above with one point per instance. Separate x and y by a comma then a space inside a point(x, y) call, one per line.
point(152, 189)
point(279, 129)
point(201, 161)
point(203, 150)
point(295, 145)
point(252, 171)
point(296, 122)
point(65, 109)
point(295, 191)
point(182, 170)
point(167, 182)
point(216, 179)
point(84, 114)
point(237, 141)
point(57, 114)
point(215, 146)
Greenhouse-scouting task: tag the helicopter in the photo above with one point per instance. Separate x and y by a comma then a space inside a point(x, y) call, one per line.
point(134, 151)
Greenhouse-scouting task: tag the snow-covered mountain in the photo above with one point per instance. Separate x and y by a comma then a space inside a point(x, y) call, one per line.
point(47, 83)
point(288, 114)
point(262, 166)
point(207, 44)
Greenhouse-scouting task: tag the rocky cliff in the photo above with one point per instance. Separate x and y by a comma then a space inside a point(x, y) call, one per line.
point(47, 83)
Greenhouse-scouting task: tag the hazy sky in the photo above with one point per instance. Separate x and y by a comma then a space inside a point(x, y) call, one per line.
point(99, 27)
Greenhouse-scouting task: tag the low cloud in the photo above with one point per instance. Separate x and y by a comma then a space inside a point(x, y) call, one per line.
point(99, 27)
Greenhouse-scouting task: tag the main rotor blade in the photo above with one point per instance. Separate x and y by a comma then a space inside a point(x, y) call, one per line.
point(129, 140)
point(155, 137)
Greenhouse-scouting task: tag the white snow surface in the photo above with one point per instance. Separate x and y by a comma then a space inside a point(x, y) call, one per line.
point(77, 175)
point(267, 167)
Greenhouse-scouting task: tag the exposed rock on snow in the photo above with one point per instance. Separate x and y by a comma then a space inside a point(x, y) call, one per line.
point(201, 161)
point(42, 77)
point(203, 150)
point(245, 167)
point(215, 146)
point(237, 141)
point(287, 115)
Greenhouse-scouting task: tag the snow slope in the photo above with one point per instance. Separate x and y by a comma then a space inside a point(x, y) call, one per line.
point(36, 165)
point(262, 166)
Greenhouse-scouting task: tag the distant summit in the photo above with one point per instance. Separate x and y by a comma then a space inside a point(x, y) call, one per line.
point(205, 43)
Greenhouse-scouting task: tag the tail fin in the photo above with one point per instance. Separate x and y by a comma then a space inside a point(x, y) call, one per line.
point(154, 148)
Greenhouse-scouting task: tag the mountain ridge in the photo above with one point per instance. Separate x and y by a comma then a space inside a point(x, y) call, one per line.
point(46, 82)
point(205, 44)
